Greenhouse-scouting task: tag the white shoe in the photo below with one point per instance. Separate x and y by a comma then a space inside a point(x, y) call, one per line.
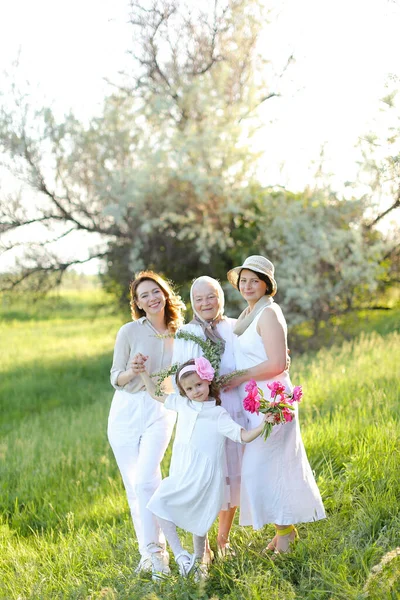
point(144, 565)
point(159, 565)
point(185, 562)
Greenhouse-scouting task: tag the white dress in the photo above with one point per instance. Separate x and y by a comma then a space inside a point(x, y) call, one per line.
point(231, 400)
point(191, 496)
point(278, 485)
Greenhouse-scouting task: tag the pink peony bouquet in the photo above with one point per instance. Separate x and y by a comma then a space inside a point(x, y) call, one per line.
point(277, 410)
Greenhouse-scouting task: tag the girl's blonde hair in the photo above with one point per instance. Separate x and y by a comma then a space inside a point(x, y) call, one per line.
point(214, 388)
point(174, 306)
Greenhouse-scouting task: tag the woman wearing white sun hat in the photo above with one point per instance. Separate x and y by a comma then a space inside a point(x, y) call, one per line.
point(278, 485)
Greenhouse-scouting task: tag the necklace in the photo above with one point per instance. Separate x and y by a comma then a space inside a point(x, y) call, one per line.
point(159, 331)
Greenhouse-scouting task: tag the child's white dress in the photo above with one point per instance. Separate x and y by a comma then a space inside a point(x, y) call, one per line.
point(192, 495)
point(231, 400)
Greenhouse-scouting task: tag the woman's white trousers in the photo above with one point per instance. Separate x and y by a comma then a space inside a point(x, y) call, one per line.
point(139, 431)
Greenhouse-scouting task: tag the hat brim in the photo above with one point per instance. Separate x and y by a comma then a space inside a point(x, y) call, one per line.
point(233, 276)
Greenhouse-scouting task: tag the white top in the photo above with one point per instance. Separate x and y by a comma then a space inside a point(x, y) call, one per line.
point(192, 495)
point(250, 351)
point(186, 349)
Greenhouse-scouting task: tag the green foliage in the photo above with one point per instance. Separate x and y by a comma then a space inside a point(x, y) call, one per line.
point(65, 526)
point(159, 172)
point(211, 350)
point(384, 319)
point(380, 177)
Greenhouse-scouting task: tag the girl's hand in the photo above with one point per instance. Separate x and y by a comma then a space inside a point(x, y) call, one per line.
point(137, 364)
point(268, 418)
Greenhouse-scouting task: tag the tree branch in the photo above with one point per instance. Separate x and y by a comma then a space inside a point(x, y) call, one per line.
point(11, 281)
point(10, 246)
point(396, 204)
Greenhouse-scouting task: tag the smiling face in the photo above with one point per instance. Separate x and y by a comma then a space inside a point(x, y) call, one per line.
point(206, 300)
point(150, 298)
point(195, 388)
point(251, 286)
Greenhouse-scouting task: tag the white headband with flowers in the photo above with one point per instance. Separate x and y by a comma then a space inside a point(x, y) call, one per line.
point(202, 367)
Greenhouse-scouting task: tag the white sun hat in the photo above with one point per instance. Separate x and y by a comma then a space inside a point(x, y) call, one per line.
point(256, 263)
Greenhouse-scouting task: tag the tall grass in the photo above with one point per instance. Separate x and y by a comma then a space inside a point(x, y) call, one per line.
point(65, 527)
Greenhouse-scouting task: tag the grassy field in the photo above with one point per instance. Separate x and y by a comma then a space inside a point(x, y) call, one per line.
point(65, 529)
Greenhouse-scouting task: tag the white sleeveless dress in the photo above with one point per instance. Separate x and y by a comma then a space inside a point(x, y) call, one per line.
point(278, 485)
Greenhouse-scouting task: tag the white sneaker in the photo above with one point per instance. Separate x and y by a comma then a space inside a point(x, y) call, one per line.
point(144, 565)
point(185, 562)
point(159, 565)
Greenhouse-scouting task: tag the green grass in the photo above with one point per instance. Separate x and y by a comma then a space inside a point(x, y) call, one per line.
point(65, 528)
point(344, 327)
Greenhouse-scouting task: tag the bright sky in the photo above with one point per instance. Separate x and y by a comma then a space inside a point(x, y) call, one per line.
point(344, 51)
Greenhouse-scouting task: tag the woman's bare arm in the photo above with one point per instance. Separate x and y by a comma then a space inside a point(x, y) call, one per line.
point(273, 337)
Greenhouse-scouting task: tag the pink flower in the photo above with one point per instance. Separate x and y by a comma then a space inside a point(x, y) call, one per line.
point(254, 393)
point(204, 369)
point(252, 404)
point(251, 385)
point(287, 415)
point(297, 393)
point(276, 389)
point(278, 410)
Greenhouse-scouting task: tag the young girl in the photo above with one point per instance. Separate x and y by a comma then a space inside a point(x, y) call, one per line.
point(192, 495)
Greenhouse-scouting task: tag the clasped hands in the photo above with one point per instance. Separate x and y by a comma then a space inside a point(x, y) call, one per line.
point(137, 364)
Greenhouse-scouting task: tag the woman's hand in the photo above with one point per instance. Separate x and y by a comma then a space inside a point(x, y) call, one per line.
point(233, 383)
point(137, 364)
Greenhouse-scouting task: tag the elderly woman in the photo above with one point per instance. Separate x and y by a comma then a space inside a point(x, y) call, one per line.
point(209, 322)
point(278, 485)
point(140, 428)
